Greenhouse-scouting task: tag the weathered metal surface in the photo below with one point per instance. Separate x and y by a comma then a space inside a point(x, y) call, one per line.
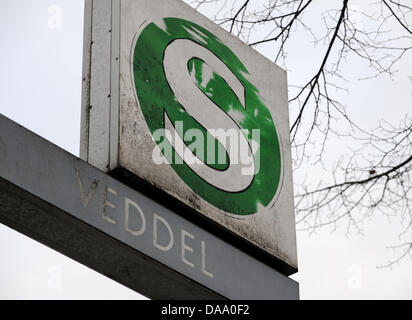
point(69, 205)
point(259, 209)
point(87, 47)
point(115, 80)
point(100, 85)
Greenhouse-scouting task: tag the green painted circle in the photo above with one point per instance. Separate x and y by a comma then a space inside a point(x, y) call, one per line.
point(155, 97)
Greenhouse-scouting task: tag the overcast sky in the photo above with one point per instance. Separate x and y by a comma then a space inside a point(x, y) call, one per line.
point(40, 88)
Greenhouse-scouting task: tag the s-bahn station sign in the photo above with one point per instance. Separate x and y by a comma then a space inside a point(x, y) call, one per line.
point(181, 106)
point(184, 186)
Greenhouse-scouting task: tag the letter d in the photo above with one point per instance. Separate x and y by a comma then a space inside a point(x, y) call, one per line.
point(209, 309)
point(161, 247)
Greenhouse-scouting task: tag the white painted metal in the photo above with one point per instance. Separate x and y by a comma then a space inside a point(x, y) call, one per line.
point(87, 47)
point(115, 89)
point(100, 85)
point(117, 134)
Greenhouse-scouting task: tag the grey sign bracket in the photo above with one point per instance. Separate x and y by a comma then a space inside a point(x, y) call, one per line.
point(70, 206)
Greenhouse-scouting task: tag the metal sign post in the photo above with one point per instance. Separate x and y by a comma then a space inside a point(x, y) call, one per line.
point(184, 190)
point(175, 103)
point(70, 206)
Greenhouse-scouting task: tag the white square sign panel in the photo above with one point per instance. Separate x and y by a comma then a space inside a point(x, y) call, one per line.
point(177, 101)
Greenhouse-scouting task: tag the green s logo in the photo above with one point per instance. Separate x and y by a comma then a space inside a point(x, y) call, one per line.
point(190, 84)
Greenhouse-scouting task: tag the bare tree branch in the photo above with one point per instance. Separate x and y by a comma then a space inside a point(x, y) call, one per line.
point(375, 178)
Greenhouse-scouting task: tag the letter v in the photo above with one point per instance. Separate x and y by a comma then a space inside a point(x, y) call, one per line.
point(85, 197)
